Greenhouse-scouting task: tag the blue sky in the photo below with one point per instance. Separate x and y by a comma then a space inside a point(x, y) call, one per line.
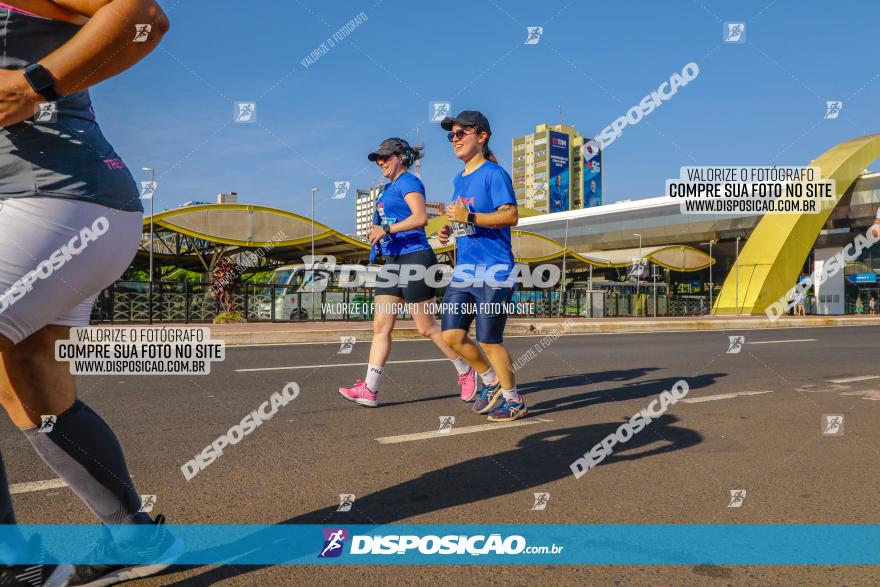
point(756, 103)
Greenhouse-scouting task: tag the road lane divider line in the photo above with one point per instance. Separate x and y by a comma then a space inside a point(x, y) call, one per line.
point(336, 365)
point(854, 379)
point(462, 430)
point(36, 486)
point(710, 398)
point(782, 341)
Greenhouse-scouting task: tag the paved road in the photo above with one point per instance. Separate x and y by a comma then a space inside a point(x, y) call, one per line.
point(756, 426)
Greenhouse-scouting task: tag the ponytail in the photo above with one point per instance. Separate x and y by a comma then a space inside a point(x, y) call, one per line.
point(411, 155)
point(487, 153)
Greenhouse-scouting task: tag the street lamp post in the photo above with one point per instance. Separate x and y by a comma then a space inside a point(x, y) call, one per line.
point(639, 274)
point(737, 274)
point(314, 191)
point(152, 209)
point(654, 275)
point(711, 283)
point(562, 287)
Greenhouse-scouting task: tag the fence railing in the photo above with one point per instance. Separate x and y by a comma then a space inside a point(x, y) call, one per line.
point(138, 301)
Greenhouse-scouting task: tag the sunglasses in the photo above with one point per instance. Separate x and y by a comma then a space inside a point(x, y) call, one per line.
point(382, 160)
point(459, 134)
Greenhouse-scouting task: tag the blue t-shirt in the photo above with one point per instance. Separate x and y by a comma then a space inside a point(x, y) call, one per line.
point(391, 208)
point(487, 250)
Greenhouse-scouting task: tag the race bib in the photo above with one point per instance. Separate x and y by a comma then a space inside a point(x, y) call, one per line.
point(463, 229)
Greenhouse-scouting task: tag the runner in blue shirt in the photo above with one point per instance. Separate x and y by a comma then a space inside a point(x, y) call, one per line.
point(399, 229)
point(482, 211)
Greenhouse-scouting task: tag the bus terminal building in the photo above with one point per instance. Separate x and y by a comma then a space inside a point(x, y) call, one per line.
point(752, 260)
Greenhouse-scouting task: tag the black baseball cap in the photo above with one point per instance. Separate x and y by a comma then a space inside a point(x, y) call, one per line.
point(467, 118)
point(391, 146)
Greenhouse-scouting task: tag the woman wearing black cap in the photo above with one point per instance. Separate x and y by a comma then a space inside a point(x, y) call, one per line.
point(399, 229)
point(482, 211)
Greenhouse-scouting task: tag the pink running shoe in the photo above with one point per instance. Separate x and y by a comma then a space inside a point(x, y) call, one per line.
point(468, 383)
point(360, 394)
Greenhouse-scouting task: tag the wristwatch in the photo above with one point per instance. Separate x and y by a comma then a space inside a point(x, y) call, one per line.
point(472, 218)
point(386, 228)
point(41, 81)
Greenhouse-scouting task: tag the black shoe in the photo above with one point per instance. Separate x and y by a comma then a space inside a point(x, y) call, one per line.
point(162, 551)
point(47, 572)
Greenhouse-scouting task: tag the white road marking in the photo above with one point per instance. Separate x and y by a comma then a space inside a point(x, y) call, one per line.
point(710, 398)
point(330, 366)
point(36, 486)
point(462, 430)
point(781, 341)
point(852, 379)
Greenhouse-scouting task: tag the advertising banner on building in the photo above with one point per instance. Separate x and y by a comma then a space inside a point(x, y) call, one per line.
point(560, 184)
point(592, 173)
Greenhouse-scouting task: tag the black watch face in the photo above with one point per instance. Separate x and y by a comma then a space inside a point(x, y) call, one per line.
point(42, 82)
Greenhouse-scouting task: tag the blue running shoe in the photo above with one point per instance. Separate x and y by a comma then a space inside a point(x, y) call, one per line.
point(509, 410)
point(489, 397)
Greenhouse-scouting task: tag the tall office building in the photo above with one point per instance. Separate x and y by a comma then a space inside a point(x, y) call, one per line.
point(553, 171)
point(365, 203)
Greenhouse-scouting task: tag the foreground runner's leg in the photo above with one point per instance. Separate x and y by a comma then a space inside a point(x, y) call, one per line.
point(81, 448)
point(45, 571)
point(365, 392)
point(429, 327)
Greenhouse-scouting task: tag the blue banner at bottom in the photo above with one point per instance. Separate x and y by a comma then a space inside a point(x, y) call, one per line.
point(775, 544)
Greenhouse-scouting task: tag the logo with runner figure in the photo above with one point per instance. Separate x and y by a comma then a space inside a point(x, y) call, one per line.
point(47, 423)
point(346, 501)
point(147, 503)
point(439, 110)
point(737, 498)
point(832, 424)
point(541, 501)
point(735, 344)
point(245, 112)
point(832, 109)
point(446, 423)
point(142, 32)
point(334, 541)
point(734, 32)
point(346, 345)
point(46, 112)
point(340, 189)
point(533, 35)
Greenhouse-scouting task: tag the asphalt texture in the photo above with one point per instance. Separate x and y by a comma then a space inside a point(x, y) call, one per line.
point(763, 434)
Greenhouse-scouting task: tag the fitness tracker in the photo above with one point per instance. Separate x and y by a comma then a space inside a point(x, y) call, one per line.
point(472, 218)
point(386, 228)
point(41, 81)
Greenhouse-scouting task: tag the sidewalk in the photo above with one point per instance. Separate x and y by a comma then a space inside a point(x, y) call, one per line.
point(277, 333)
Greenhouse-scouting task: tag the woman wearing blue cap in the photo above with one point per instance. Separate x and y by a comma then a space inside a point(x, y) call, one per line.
point(399, 229)
point(482, 211)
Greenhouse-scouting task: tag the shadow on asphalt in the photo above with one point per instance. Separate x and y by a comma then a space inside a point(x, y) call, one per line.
point(538, 459)
point(629, 391)
point(548, 383)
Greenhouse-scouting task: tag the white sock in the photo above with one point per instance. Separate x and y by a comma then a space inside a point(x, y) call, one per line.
point(511, 394)
point(460, 365)
point(489, 377)
point(374, 374)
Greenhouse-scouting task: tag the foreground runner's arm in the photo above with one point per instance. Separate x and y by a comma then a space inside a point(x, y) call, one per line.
point(503, 216)
point(105, 40)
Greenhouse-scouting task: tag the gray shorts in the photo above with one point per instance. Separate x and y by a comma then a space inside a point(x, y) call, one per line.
point(56, 256)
